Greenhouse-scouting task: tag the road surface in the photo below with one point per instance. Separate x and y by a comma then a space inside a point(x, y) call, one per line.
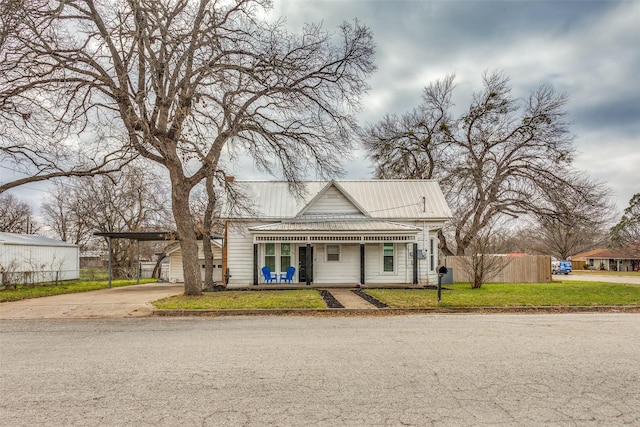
point(416, 370)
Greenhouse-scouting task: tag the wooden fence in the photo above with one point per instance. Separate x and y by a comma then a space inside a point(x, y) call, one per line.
point(522, 269)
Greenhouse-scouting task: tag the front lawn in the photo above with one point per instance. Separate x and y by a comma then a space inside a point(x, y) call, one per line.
point(247, 300)
point(37, 291)
point(514, 295)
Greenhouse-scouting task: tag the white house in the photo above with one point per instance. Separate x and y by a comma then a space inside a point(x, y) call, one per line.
point(176, 272)
point(32, 258)
point(371, 232)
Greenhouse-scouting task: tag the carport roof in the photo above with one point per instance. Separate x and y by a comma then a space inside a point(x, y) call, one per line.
point(139, 235)
point(145, 235)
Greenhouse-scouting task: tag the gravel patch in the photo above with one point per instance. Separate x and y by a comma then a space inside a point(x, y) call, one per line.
point(329, 299)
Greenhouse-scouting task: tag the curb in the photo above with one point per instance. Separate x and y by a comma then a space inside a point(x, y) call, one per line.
point(398, 311)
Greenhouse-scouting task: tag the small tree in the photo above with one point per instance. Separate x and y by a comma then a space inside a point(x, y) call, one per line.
point(626, 233)
point(15, 215)
point(482, 261)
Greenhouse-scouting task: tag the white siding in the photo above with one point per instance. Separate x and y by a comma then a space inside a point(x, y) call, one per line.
point(374, 273)
point(43, 262)
point(332, 201)
point(347, 270)
point(176, 273)
point(240, 254)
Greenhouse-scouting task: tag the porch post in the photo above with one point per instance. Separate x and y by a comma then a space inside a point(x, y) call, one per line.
point(309, 266)
point(255, 264)
point(138, 267)
point(415, 263)
point(362, 263)
point(109, 268)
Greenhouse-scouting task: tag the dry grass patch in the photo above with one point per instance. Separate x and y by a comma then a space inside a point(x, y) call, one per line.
point(248, 300)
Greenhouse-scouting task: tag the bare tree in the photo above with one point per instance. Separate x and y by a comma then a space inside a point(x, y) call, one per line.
point(482, 261)
point(577, 227)
point(503, 157)
point(43, 136)
point(15, 215)
point(626, 233)
point(186, 78)
point(132, 200)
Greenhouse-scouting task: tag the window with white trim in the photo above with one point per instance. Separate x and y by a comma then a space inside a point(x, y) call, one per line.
point(333, 253)
point(285, 256)
point(277, 256)
point(388, 257)
point(270, 256)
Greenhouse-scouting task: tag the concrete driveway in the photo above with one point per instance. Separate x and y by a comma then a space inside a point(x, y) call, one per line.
point(595, 277)
point(128, 301)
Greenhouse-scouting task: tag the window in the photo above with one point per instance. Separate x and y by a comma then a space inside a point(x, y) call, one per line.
point(285, 256)
point(270, 255)
point(387, 257)
point(277, 256)
point(333, 252)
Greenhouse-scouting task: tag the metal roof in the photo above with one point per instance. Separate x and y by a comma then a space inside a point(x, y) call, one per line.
point(379, 199)
point(337, 226)
point(30, 240)
point(139, 235)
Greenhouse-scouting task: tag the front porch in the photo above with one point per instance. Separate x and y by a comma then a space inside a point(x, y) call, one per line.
point(292, 286)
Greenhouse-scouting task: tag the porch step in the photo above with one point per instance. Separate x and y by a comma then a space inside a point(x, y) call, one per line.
point(349, 300)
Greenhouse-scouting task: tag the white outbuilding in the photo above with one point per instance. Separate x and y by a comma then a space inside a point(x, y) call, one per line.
point(28, 258)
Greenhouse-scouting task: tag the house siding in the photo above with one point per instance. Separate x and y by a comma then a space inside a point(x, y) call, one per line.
point(240, 254)
point(347, 270)
point(332, 202)
point(176, 273)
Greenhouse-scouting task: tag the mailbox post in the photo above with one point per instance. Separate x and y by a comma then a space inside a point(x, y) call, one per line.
point(441, 272)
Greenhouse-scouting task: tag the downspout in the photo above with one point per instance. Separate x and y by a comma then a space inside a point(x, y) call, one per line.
point(225, 266)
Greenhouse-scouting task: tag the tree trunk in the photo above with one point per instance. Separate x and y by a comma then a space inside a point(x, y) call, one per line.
point(157, 269)
point(187, 237)
point(206, 238)
point(208, 262)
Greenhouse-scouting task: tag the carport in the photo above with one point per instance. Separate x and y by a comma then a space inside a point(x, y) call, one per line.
point(137, 236)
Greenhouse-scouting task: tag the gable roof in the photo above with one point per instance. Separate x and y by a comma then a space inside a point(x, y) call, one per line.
point(352, 207)
point(605, 253)
point(375, 199)
point(31, 240)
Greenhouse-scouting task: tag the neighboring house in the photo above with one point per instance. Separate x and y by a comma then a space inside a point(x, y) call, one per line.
point(371, 232)
point(176, 273)
point(28, 258)
point(609, 259)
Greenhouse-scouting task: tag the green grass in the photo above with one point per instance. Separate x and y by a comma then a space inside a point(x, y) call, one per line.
point(514, 295)
point(229, 300)
point(26, 292)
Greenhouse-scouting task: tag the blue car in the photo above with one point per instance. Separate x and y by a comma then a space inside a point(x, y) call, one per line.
point(560, 267)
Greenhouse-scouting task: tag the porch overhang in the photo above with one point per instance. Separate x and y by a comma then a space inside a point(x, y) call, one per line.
point(335, 231)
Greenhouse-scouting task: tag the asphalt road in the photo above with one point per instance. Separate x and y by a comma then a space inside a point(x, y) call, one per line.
point(417, 370)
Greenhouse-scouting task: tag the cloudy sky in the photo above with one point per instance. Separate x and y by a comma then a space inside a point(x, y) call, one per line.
point(588, 49)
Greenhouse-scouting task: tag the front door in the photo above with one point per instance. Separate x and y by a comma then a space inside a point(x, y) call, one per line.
point(302, 265)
